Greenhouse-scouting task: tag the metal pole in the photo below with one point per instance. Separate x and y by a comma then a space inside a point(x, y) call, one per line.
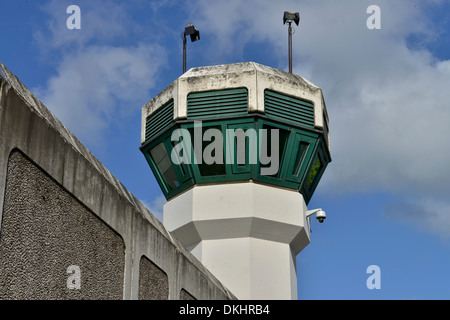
point(290, 47)
point(184, 53)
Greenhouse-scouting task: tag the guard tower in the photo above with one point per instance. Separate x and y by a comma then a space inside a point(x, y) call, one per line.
point(238, 151)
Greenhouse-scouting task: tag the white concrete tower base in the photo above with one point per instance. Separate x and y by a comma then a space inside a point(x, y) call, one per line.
point(246, 234)
point(264, 269)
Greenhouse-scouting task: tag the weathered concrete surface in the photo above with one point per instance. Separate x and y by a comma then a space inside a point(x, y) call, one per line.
point(44, 232)
point(33, 138)
point(153, 282)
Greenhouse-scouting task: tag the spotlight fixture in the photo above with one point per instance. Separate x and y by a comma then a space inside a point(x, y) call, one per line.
point(290, 17)
point(191, 31)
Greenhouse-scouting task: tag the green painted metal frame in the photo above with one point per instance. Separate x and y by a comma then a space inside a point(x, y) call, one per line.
point(294, 167)
point(159, 121)
point(183, 172)
point(288, 109)
point(231, 174)
point(325, 159)
point(285, 177)
point(207, 105)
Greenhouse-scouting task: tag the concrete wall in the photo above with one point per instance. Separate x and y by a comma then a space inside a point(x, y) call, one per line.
point(69, 229)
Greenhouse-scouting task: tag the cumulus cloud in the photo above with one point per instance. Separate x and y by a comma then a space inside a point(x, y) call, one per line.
point(106, 21)
point(386, 101)
point(98, 86)
point(387, 97)
point(430, 215)
point(100, 77)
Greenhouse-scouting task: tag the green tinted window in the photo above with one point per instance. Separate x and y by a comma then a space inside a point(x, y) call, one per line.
point(164, 165)
point(217, 167)
point(301, 152)
point(283, 136)
point(317, 165)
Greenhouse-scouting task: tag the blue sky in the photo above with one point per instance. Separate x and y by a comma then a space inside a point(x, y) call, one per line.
point(386, 193)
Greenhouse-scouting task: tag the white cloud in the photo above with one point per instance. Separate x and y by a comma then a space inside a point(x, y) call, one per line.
point(99, 85)
point(100, 78)
point(429, 215)
point(387, 102)
point(106, 21)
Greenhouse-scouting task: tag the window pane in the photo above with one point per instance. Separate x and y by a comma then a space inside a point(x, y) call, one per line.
point(283, 138)
point(218, 167)
point(242, 146)
point(316, 167)
point(300, 156)
point(164, 165)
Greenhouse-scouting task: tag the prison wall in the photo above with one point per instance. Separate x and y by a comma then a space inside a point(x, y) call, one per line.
point(69, 229)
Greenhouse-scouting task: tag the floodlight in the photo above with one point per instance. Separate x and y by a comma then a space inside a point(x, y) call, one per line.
point(291, 16)
point(191, 31)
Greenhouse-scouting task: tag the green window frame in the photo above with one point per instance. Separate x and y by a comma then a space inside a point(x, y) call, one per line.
point(182, 171)
point(290, 172)
point(232, 172)
point(236, 166)
point(316, 169)
point(303, 157)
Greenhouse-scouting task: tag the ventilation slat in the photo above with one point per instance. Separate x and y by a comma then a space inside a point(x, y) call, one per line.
point(285, 108)
point(298, 108)
point(159, 121)
point(217, 104)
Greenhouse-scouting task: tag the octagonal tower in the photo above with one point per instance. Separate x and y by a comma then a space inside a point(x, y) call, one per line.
point(238, 151)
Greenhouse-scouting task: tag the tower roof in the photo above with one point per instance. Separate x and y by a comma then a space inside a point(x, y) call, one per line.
point(255, 77)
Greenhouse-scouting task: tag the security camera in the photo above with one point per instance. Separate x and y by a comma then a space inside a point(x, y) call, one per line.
point(320, 214)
